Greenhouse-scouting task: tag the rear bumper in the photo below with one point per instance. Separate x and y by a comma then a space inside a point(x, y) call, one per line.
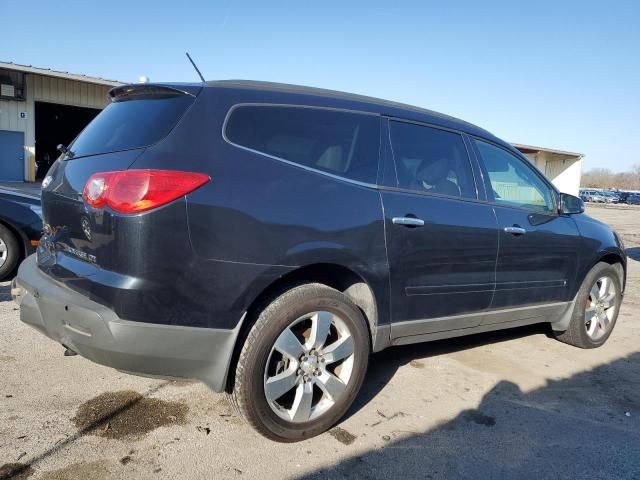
point(97, 333)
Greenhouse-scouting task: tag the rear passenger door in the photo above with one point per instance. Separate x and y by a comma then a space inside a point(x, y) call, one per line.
point(538, 246)
point(442, 240)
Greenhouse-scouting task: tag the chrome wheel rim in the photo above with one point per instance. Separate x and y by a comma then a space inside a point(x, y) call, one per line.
point(309, 367)
point(600, 308)
point(3, 252)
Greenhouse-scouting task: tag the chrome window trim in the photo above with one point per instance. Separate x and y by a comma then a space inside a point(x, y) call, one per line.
point(289, 162)
point(442, 196)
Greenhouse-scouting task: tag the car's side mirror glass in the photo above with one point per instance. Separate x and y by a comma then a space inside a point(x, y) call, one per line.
point(570, 204)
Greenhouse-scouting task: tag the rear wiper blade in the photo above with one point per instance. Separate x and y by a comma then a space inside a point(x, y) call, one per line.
point(65, 151)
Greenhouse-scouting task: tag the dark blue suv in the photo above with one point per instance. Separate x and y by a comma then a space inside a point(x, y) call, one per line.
point(266, 239)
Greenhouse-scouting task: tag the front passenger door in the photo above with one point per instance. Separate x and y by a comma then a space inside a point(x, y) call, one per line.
point(537, 259)
point(442, 241)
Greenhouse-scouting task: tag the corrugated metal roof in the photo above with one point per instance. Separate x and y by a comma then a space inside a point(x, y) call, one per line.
point(533, 149)
point(58, 74)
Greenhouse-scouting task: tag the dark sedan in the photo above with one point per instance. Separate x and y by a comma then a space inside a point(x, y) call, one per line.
point(20, 228)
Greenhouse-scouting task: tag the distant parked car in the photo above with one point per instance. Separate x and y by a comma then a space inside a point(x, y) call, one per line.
point(633, 199)
point(611, 197)
point(20, 228)
point(592, 196)
point(623, 197)
point(585, 195)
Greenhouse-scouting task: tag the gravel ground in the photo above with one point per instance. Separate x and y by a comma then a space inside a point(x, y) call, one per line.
point(514, 404)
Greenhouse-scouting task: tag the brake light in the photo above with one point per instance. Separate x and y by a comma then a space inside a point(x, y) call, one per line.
point(133, 191)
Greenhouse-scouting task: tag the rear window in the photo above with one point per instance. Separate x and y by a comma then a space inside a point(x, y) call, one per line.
point(131, 122)
point(336, 142)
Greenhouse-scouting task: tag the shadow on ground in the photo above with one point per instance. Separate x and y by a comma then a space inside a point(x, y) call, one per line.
point(384, 365)
point(585, 426)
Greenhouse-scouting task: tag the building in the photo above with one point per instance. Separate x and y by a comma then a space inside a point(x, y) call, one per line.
point(564, 169)
point(39, 109)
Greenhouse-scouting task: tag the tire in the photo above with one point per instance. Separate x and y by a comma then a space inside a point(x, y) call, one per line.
point(585, 313)
point(305, 375)
point(9, 252)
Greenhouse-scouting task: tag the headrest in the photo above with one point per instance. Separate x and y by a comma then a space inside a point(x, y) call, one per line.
point(332, 159)
point(432, 171)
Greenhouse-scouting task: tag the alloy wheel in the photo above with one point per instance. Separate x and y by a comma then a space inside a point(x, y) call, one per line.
point(601, 308)
point(309, 367)
point(3, 252)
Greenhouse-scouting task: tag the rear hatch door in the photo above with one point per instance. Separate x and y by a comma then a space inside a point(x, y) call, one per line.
point(78, 239)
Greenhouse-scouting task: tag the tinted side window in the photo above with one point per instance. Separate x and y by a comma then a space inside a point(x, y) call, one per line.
point(431, 160)
point(341, 143)
point(514, 183)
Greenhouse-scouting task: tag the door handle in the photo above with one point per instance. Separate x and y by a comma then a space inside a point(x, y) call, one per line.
point(408, 221)
point(515, 230)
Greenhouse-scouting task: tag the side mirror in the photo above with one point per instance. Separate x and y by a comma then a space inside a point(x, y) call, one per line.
point(570, 205)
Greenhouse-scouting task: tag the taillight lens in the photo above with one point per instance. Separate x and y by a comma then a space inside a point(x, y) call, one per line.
point(133, 191)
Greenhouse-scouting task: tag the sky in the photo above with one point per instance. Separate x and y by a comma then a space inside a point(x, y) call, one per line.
point(556, 74)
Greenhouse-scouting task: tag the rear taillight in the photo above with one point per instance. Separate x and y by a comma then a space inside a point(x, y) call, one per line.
point(133, 191)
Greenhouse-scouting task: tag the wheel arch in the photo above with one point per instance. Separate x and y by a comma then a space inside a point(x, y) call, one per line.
point(616, 259)
point(336, 276)
point(612, 257)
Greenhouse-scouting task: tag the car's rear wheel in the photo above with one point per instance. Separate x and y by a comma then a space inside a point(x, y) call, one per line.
point(302, 364)
point(9, 252)
point(596, 308)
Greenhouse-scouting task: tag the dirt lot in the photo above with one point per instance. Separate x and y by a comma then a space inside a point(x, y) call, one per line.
point(513, 404)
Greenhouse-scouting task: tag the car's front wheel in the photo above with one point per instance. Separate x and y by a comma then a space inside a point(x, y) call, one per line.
point(596, 308)
point(302, 364)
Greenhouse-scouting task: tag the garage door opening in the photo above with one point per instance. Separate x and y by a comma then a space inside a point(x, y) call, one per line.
point(56, 124)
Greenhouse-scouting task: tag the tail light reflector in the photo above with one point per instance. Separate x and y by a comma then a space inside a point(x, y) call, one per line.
point(133, 191)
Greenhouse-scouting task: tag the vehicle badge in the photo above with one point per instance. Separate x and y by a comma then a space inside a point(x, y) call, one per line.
point(86, 227)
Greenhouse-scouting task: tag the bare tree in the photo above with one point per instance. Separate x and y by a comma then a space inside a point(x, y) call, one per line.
point(635, 174)
point(605, 178)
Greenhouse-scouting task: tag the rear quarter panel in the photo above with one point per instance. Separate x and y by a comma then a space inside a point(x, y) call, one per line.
point(260, 218)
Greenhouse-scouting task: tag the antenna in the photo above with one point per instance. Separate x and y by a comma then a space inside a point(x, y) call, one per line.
point(194, 66)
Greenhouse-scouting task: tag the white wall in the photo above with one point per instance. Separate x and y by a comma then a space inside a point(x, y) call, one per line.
point(538, 160)
point(10, 115)
point(566, 174)
point(40, 88)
